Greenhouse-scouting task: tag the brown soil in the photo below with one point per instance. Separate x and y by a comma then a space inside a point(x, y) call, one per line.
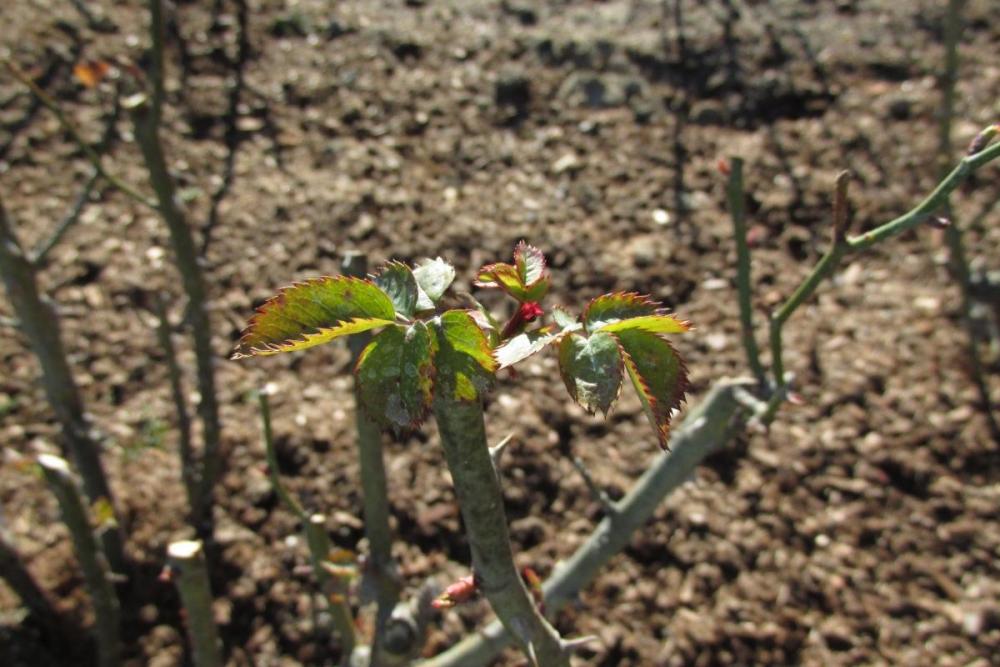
point(861, 529)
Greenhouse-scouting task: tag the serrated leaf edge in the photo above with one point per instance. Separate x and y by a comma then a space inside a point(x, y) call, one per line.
point(662, 430)
point(242, 351)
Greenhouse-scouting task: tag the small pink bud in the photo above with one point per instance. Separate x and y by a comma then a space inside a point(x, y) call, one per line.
point(723, 166)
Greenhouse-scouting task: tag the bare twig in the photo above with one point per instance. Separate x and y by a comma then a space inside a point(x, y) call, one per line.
point(849, 246)
point(953, 235)
point(734, 195)
point(145, 115)
point(38, 257)
point(96, 574)
point(40, 324)
point(317, 539)
point(67, 124)
point(186, 560)
point(189, 471)
point(232, 136)
point(596, 492)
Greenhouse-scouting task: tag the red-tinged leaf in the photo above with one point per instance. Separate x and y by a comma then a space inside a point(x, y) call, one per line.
point(312, 313)
point(610, 308)
point(464, 360)
point(523, 345)
point(398, 282)
point(530, 263)
point(91, 72)
point(456, 593)
point(591, 367)
point(396, 375)
point(525, 280)
point(658, 374)
point(658, 324)
point(503, 276)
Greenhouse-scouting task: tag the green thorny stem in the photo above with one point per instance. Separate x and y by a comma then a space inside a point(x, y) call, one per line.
point(186, 560)
point(146, 117)
point(953, 232)
point(463, 438)
point(844, 246)
point(334, 591)
point(734, 195)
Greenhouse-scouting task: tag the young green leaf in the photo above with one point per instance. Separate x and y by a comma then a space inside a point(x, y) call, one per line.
point(398, 282)
point(465, 363)
point(658, 374)
point(396, 375)
point(530, 263)
point(565, 320)
point(591, 367)
point(433, 276)
point(658, 324)
point(314, 312)
point(610, 308)
point(525, 280)
point(522, 346)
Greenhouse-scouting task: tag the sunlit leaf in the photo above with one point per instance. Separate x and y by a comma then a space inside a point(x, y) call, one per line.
point(314, 312)
point(522, 346)
point(660, 324)
point(658, 374)
point(396, 280)
point(565, 320)
point(465, 363)
point(591, 367)
point(610, 308)
point(525, 280)
point(434, 276)
point(530, 263)
point(396, 375)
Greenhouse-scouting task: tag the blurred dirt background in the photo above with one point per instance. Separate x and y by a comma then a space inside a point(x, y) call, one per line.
point(862, 529)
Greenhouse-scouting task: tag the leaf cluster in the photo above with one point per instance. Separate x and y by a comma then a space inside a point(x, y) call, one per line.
point(421, 355)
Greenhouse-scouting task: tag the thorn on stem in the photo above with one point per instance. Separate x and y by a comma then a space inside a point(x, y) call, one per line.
point(496, 451)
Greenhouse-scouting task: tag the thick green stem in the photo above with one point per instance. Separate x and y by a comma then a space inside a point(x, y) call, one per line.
point(734, 194)
point(705, 429)
point(463, 437)
point(40, 325)
point(145, 116)
point(186, 560)
point(96, 574)
point(374, 492)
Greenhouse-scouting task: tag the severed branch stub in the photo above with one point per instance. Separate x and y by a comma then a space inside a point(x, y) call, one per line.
point(186, 560)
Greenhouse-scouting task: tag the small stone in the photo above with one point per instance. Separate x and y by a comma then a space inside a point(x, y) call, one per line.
point(568, 162)
point(661, 217)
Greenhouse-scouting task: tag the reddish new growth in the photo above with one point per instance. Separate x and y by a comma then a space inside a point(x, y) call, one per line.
point(461, 591)
point(527, 312)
